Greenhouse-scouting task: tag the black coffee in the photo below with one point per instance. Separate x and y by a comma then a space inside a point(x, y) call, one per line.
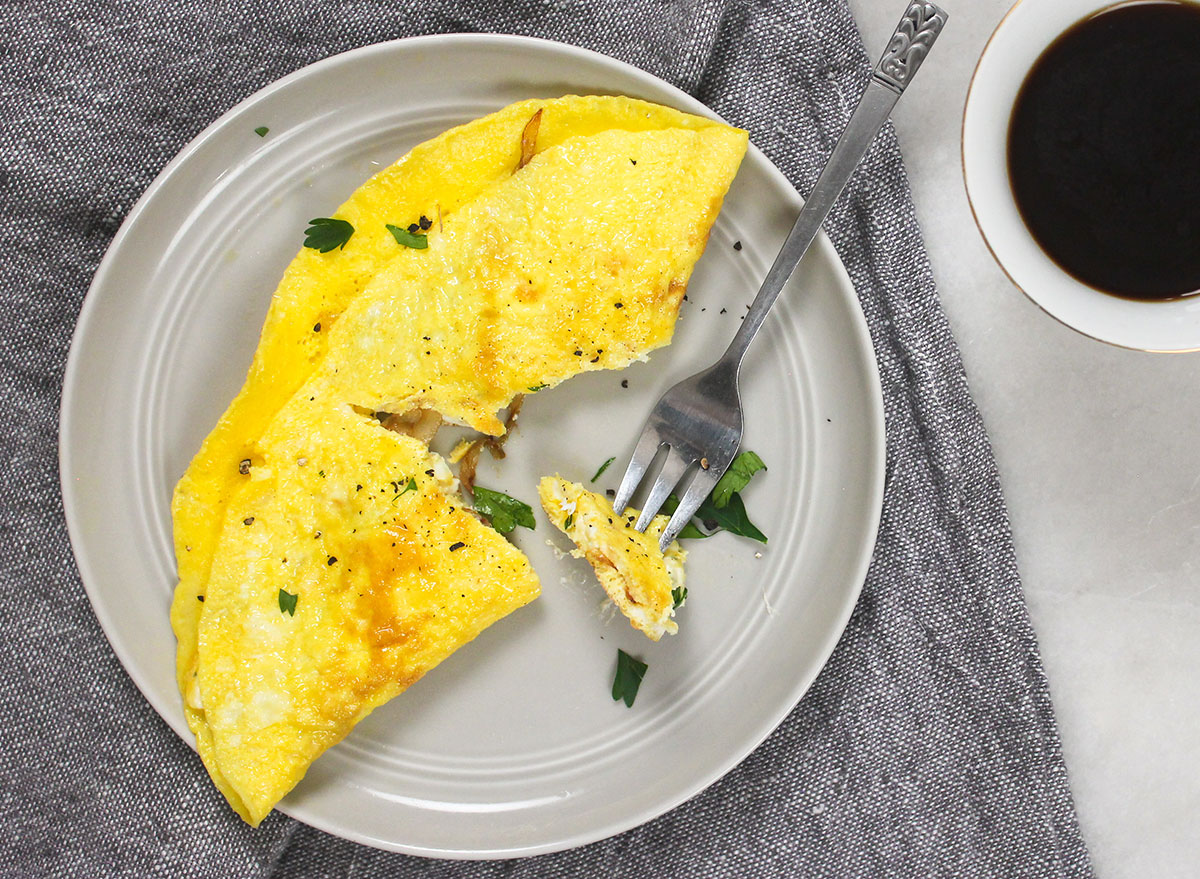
point(1104, 150)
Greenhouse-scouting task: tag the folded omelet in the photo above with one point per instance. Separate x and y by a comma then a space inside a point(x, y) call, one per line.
point(346, 569)
point(434, 180)
point(326, 563)
point(638, 576)
point(577, 263)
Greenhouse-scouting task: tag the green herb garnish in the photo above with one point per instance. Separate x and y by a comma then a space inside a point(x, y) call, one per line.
point(326, 234)
point(603, 467)
point(411, 485)
point(732, 518)
point(287, 602)
point(415, 240)
point(628, 678)
point(533, 389)
point(736, 477)
point(261, 131)
point(570, 521)
point(679, 595)
point(504, 512)
point(731, 515)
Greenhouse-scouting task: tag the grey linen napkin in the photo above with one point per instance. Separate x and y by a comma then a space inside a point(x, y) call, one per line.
point(926, 747)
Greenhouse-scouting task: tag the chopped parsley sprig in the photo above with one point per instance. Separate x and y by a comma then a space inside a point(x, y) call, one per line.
point(603, 467)
point(326, 234)
point(736, 478)
point(723, 509)
point(504, 512)
point(628, 678)
point(287, 602)
point(407, 238)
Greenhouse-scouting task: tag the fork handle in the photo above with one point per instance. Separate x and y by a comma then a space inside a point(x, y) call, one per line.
point(914, 36)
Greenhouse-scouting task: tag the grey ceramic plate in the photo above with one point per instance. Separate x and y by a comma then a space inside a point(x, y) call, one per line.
point(513, 746)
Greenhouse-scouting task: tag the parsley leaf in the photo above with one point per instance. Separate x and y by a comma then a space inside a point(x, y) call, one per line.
point(679, 596)
point(732, 518)
point(504, 512)
point(411, 485)
point(326, 234)
point(628, 678)
point(261, 131)
point(415, 240)
point(603, 467)
point(736, 477)
point(287, 602)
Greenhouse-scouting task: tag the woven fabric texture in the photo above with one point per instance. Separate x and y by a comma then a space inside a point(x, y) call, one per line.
point(926, 747)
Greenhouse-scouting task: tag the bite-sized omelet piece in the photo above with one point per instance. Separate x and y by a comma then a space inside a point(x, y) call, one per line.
point(346, 569)
point(636, 574)
point(434, 180)
point(577, 262)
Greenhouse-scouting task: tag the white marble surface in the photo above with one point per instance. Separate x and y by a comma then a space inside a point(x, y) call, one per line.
point(1098, 453)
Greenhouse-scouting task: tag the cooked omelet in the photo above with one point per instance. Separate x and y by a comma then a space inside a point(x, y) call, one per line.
point(325, 562)
point(347, 567)
point(434, 180)
point(637, 575)
point(576, 263)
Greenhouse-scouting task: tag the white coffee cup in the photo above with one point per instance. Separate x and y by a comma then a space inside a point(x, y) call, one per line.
point(1028, 29)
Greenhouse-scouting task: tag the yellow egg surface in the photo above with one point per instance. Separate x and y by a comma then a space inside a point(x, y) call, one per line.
point(577, 262)
point(636, 574)
point(435, 180)
point(363, 530)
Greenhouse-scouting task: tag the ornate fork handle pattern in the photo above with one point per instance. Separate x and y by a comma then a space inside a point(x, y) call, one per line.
point(919, 27)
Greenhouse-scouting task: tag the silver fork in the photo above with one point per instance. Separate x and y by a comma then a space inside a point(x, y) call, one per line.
point(699, 420)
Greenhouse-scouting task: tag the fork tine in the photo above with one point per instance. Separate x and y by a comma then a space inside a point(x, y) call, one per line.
point(673, 469)
point(643, 456)
point(688, 504)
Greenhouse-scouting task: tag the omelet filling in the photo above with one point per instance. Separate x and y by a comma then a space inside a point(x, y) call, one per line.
point(326, 561)
point(645, 583)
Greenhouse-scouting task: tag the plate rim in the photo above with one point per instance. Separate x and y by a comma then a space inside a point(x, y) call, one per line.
point(681, 99)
